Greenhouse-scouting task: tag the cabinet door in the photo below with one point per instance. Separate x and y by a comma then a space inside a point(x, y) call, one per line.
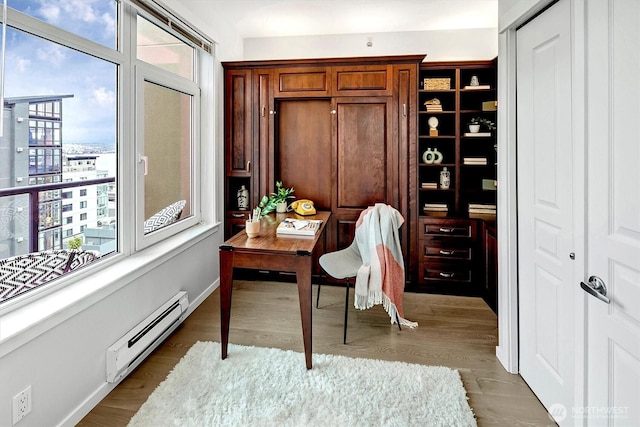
point(238, 154)
point(364, 80)
point(303, 152)
point(263, 148)
point(365, 151)
point(302, 82)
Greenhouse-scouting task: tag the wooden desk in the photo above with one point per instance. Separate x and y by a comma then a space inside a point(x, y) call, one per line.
point(269, 252)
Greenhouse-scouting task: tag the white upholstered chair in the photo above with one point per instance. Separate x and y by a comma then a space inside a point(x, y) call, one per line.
point(344, 265)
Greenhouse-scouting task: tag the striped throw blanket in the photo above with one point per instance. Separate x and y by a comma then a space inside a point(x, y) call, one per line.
point(380, 279)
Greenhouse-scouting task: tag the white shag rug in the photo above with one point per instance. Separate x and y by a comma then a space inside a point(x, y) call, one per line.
point(270, 387)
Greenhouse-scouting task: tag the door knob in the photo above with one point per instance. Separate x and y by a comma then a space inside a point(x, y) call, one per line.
point(597, 288)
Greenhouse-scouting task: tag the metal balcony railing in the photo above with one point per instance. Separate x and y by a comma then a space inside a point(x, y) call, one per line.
point(33, 191)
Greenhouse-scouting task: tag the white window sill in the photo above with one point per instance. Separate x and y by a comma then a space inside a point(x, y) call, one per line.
point(34, 318)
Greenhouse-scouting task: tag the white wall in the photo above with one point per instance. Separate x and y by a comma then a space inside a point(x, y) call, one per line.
point(452, 45)
point(65, 365)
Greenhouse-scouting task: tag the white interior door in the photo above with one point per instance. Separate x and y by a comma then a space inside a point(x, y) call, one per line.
point(546, 279)
point(613, 117)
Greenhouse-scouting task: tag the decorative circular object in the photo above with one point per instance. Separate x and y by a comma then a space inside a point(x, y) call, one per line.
point(437, 156)
point(433, 122)
point(428, 156)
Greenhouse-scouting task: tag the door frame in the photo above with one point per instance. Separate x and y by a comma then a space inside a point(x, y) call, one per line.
point(508, 332)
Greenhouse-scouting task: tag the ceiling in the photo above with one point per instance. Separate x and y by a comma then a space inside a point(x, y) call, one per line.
point(275, 18)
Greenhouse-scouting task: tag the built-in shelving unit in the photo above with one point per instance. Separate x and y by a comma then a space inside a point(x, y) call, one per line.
point(450, 217)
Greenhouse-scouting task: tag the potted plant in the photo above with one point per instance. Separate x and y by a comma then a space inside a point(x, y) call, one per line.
point(476, 122)
point(276, 201)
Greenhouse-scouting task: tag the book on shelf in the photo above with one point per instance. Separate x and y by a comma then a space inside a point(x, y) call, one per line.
point(298, 227)
point(474, 161)
point(477, 134)
point(429, 185)
point(476, 87)
point(436, 108)
point(436, 207)
point(482, 206)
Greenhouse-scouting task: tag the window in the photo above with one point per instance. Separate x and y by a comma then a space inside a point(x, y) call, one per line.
point(67, 131)
point(167, 100)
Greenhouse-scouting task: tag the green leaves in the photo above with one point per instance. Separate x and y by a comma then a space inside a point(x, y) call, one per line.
point(482, 121)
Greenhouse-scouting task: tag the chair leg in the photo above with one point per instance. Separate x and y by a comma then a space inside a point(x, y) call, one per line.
point(398, 320)
point(346, 313)
point(318, 295)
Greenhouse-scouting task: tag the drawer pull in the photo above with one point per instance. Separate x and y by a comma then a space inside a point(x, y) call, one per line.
point(447, 230)
point(446, 275)
point(238, 215)
point(443, 252)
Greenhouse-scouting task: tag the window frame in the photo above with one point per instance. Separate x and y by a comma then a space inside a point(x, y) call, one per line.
point(127, 68)
point(145, 72)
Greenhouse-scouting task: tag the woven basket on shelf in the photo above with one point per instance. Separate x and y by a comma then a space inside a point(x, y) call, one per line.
point(437, 83)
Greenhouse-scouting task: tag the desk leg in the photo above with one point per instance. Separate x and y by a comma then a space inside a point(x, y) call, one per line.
point(303, 275)
point(226, 283)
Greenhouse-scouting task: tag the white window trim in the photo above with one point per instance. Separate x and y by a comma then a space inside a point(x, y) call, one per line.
point(148, 73)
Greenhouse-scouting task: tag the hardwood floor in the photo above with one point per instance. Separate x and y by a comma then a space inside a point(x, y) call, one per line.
point(458, 332)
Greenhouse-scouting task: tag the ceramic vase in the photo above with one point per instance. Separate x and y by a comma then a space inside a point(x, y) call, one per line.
point(252, 228)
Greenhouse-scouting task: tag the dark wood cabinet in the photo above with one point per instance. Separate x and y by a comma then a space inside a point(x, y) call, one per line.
point(350, 132)
point(337, 130)
point(450, 95)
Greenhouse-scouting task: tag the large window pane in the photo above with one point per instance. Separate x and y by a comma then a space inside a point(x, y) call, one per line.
point(168, 148)
point(49, 119)
point(157, 47)
point(95, 20)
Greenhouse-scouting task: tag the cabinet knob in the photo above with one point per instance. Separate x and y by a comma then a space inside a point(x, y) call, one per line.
point(272, 112)
point(446, 230)
point(447, 275)
point(333, 111)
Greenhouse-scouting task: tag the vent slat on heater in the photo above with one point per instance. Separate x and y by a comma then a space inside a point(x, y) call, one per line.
point(132, 348)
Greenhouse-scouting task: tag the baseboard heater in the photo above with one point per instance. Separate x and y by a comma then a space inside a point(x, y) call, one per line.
point(132, 348)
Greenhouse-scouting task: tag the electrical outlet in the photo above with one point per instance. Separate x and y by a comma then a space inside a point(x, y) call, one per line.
point(21, 405)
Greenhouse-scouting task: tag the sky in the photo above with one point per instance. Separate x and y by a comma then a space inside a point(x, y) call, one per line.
point(35, 66)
